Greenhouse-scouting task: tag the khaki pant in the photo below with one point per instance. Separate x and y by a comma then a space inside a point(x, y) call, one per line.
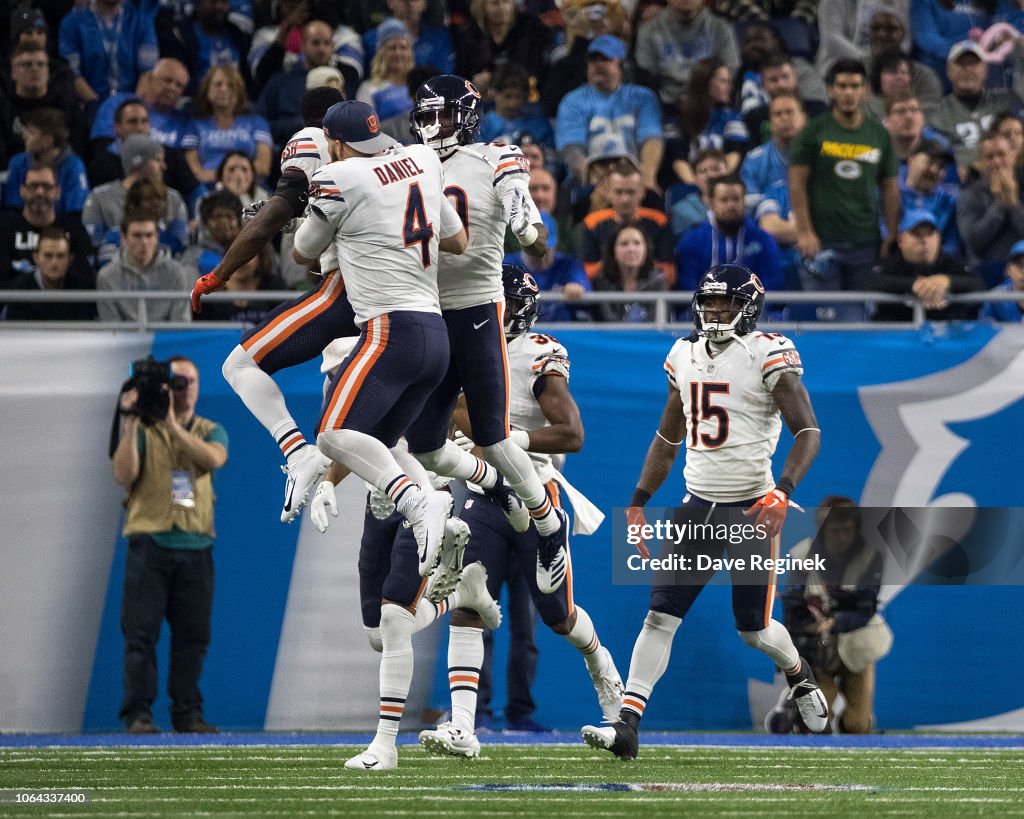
point(859, 691)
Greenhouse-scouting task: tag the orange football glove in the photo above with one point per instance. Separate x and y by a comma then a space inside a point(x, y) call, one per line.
point(771, 511)
point(210, 283)
point(635, 517)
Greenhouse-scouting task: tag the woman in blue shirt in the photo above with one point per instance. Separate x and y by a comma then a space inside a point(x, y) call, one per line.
point(221, 127)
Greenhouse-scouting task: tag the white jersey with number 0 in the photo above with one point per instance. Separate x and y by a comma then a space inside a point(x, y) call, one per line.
point(384, 215)
point(732, 422)
point(479, 180)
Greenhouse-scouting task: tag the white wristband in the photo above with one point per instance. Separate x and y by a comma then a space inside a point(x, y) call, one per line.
point(521, 438)
point(528, 236)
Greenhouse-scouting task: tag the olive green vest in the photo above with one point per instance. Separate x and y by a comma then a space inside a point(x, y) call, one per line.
point(149, 508)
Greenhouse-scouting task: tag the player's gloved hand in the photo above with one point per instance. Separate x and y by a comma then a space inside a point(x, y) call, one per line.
point(323, 501)
point(381, 506)
point(635, 518)
point(771, 511)
point(210, 283)
point(249, 212)
point(463, 441)
point(519, 215)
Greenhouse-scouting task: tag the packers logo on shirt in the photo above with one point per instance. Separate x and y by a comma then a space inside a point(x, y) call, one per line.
point(848, 169)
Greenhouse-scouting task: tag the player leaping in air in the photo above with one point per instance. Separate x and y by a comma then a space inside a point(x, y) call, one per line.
point(728, 385)
point(488, 185)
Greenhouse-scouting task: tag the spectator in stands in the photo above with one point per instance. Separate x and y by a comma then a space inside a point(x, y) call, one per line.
point(841, 166)
point(990, 211)
point(670, 44)
point(964, 113)
point(803, 11)
point(236, 174)
point(221, 126)
point(45, 133)
point(767, 69)
point(1011, 128)
point(143, 264)
point(904, 120)
point(775, 217)
point(166, 469)
point(851, 29)
point(627, 266)
point(220, 217)
point(387, 87)
point(141, 159)
point(939, 26)
point(769, 163)
point(163, 93)
point(608, 116)
point(892, 72)
point(625, 193)
point(833, 618)
point(20, 231)
point(778, 76)
point(108, 44)
point(692, 209)
point(556, 272)
point(921, 269)
point(281, 99)
point(512, 116)
point(202, 40)
point(585, 21)
point(1011, 311)
point(922, 187)
point(148, 197)
point(33, 86)
point(432, 44)
point(52, 270)
point(706, 120)
point(728, 237)
point(499, 33)
point(256, 274)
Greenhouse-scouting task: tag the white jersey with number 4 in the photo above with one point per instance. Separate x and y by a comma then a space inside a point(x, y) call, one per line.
point(307, 151)
point(384, 215)
point(479, 180)
point(533, 356)
point(732, 422)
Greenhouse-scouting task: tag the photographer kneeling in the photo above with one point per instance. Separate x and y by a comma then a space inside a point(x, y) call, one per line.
point(164, 459)
point(833, 618)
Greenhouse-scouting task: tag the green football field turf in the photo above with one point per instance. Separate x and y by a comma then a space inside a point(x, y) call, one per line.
point(524, 780)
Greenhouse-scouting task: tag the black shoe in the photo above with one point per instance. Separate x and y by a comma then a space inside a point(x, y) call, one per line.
point(195, 725)
point(510, 504)
point(553, 557)
point(143, 725)
point(620, 738)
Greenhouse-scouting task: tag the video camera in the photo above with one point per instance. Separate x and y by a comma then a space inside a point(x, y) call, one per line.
point(154, 381)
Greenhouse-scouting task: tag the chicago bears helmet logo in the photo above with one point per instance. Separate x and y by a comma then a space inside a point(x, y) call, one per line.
point(530, 281)
point(372, 124)
point(472, 89)
point(756, 282)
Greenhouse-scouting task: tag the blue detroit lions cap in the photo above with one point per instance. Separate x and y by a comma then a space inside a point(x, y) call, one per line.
point(917, 217)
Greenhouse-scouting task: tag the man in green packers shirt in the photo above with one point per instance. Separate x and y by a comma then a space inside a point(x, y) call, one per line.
point(840, 166)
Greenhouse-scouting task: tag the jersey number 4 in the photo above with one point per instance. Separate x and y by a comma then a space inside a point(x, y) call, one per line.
point(417, 230)
point(703, 408)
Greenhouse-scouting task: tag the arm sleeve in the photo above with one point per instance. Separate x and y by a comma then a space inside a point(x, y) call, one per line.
point(450, 221)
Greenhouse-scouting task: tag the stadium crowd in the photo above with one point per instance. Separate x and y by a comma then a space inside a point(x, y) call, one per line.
point(855, 145)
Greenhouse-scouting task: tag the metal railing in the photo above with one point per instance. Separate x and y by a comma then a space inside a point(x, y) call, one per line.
point(664, 307)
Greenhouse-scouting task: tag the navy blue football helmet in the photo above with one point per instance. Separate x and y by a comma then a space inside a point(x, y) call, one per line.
point(744, 290)
point(445, 112)
point(521, 307)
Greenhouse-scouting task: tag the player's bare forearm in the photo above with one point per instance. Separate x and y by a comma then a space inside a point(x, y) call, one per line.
point(254, 236)
point(540, 244)
point(795, 405)
point(565, 433)
point(664, 448)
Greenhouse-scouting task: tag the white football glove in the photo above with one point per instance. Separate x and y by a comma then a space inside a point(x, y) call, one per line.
point(519, 215)
point(323, 500)
point(249, 213)
point(462, 441)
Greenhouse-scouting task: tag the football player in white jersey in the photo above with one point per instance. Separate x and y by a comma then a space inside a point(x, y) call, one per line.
point(728, 385)
point(382, 208)
point(489, 186)
point(296, 331)
point(545, 421)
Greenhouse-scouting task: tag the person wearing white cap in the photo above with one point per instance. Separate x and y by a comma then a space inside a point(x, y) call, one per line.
point(965, 113)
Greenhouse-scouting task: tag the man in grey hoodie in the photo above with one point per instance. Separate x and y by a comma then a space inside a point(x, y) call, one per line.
point(142, 263)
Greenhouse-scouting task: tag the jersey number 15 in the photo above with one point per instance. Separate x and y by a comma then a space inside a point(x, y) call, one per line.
point(703, 408)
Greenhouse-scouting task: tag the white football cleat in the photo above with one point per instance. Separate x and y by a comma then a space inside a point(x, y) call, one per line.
point(811, 705)
point(608, 685)
point(447, 740)
point(511, 505)
point(553, 557)
point(374, 758)
point(474, 595)
point(427, 519)
point(445, 577)
point(301, 476)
